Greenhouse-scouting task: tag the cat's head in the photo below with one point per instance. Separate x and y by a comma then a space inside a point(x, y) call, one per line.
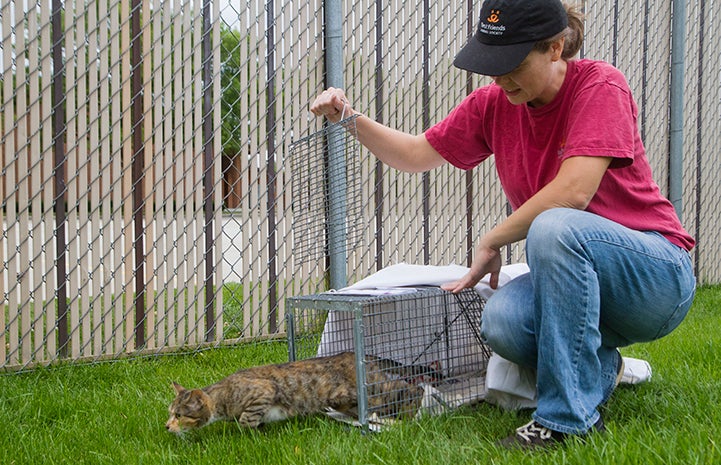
point(191, 409)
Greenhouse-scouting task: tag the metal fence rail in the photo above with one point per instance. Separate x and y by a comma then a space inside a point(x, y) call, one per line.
point(146, 181)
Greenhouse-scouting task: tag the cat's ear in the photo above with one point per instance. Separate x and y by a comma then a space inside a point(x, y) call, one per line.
point(178, 388)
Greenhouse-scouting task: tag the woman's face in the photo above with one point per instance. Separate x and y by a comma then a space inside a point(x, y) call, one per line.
point(537, 80)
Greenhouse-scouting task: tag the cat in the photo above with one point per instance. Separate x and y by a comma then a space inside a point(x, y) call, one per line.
point(267, 393)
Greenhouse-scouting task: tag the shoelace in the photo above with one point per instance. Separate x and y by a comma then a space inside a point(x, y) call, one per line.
point(531, 430)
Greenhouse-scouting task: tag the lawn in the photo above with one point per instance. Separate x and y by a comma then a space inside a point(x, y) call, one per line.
point(114, 413)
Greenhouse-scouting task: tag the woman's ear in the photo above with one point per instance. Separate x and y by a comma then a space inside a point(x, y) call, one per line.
point(557, 48)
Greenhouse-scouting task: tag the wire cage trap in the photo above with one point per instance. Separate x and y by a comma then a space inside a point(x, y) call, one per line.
point(326, 185)
point(418, 351)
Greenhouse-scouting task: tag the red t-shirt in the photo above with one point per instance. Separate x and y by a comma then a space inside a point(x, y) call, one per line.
point(593, 114)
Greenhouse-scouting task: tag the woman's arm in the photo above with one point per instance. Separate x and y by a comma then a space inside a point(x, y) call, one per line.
point(573, 187)
point(402, 151)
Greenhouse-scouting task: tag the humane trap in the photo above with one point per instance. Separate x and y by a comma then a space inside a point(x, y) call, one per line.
point(417, 351)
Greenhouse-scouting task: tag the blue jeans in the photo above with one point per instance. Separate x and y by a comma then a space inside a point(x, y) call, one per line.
point(593, 286)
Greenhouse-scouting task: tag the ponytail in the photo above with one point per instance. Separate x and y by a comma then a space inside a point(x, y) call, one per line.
point(573, 34)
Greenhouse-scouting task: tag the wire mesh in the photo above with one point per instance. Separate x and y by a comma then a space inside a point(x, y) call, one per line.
point(314, 203)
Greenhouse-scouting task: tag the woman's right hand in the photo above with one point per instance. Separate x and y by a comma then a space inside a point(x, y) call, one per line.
point(399, 150)
point(333, 104)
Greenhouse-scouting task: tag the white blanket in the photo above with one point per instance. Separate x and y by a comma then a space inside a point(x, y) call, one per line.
point(398, 278)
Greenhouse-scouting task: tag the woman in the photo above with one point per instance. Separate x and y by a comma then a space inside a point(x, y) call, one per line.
point(608, 257)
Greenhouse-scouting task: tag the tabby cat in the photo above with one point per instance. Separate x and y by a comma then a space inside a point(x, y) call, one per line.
point(263, 394)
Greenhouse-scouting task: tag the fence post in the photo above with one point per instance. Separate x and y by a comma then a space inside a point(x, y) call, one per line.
point(675, 163)
point(271, 175)
point(426, 97)
point(470, 196)
point(208, 174)
point(138, 171)
point(336, 153)
point(378, 193)
point(59, 159)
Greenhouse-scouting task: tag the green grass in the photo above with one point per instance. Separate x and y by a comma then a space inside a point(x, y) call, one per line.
point(114, 413)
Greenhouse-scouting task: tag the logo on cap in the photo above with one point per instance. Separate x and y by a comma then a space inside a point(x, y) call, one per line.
point(491, 25)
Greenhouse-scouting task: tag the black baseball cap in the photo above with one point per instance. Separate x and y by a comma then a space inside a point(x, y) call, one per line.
point(507, 32)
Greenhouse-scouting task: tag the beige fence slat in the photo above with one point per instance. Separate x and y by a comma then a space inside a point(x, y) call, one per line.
point(149, 179)
point(255, 254)
point(197, 155)
point(13, 299)
point(701, 174)
point(179, 188)
point(95, 305)
point(258, 203)
point(35, 154)
point(85, 180)
point(218, 179)
point(72, 146)
point(84, 265)
point(110, 283)
point(174, 191)
point(179, 192)
point(168, 182)
point(259, 290)
point(195, 168)
point(189, 183)
point(23, 187)
point(5, 157)
point(709, 251)
point(268, 253)
point(286, 109)
point(157, 305)
point(172, 177)
point(116, 178)
point(127, 184)
point(241, 161)
point(161, 153)
point(171, 189)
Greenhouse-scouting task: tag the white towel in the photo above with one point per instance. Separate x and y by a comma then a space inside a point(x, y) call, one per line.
point(404, 275)
point(513, 387)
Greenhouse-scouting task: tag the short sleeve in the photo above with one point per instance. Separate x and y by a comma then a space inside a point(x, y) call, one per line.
point(602, 121)
point(460, 137)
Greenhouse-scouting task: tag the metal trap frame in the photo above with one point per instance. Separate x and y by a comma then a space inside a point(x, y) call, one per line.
point(426, 338)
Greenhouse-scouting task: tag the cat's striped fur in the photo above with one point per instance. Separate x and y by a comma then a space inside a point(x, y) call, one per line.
point(268, 393)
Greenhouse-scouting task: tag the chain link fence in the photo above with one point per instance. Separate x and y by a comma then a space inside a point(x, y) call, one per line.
point(147, 200)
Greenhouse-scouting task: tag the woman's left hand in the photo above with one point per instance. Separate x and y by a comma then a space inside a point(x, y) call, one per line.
point(487, 260)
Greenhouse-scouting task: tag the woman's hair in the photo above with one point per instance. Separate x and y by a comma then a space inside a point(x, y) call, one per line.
point(573, 34)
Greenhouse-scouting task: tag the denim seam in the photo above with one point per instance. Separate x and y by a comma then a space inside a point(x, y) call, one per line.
point(675, 261)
